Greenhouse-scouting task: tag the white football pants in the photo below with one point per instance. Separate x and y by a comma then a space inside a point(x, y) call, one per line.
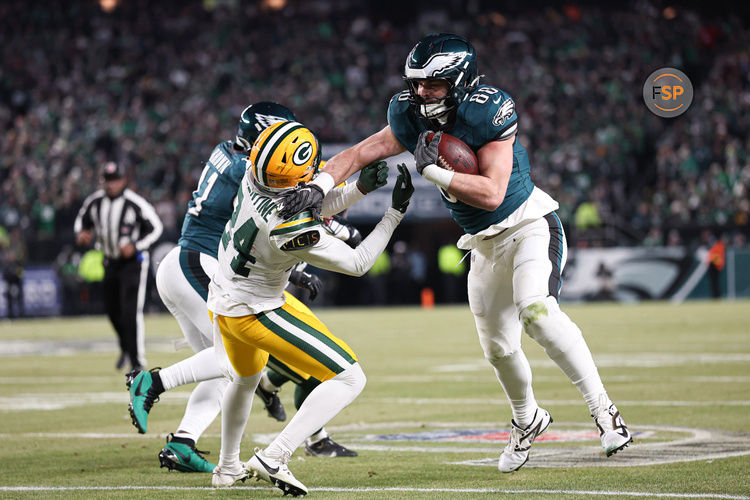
point(513, 286)
point(182, 281)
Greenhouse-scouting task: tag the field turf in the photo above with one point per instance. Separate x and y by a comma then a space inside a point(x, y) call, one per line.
point(430, 423)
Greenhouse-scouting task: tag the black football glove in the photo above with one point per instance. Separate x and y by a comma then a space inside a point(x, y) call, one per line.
point(307, 197)
point(307, 281)
point(403, 189)
point(355, 237)
point(341, 229)
point(426, 154)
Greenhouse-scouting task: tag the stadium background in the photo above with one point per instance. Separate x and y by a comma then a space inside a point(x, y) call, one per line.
point(154, 85)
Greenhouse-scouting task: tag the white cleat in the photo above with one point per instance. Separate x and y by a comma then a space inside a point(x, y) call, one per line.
point(612, 429)
point(516, 453)
point(276, 472)
point(224, 477)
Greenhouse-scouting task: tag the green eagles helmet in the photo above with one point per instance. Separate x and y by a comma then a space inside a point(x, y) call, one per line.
point(256, 118)
point(446, 57)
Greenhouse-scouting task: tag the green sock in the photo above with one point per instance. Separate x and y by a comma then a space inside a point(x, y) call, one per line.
point(277, 378)
point(303, 390)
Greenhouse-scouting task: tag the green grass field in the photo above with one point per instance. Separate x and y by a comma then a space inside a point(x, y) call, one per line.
point(426, 424)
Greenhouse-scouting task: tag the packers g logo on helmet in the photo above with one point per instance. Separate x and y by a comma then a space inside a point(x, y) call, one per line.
point(285, 154)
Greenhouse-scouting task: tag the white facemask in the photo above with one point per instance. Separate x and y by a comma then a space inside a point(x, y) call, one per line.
point(435, 111)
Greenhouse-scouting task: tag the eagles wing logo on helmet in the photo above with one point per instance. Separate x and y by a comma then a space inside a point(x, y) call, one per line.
point(256, 118)
point(506, 111)
point(262, 122)
point(443, 62)
point(436, 65)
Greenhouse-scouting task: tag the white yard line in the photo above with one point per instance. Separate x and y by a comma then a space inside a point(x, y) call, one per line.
point(609, 360)
point(431, 379)
point(31, 401)
point(536, 491)
point(427, 379)
point(545, 402)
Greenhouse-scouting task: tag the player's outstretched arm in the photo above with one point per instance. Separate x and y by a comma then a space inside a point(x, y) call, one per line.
point(372, 177)
point(332, 254)
point(380, 145)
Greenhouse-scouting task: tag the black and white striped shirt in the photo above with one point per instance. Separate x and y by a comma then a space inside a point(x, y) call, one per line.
point(128, 218)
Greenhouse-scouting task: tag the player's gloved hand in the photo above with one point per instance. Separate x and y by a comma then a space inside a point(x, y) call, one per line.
point(373, 176)
point(307, 281)
point(307, 197)
point(343, 230)
point(403, 189)
point(426, 154)
point(355, 237)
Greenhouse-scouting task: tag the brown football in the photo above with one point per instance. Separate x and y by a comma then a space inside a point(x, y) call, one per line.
point(455, 155)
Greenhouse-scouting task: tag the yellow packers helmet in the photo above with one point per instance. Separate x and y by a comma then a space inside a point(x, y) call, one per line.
point(285, 154)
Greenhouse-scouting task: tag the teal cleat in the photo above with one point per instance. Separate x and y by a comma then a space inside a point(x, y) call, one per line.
point(181, 454)
point(142, 397)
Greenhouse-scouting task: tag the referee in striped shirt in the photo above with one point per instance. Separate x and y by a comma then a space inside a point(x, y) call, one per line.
point(125, 225)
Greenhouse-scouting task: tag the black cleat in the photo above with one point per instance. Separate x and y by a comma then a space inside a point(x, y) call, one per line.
point(327, 447)
point(272, 402)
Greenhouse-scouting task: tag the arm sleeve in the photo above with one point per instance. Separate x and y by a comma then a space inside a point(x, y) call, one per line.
point(340, 198)
point(151, 224)
point(332, 254)
point(83, 219)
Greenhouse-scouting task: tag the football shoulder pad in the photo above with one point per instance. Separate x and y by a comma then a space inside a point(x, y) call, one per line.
point(403, 124)
point(301, 231)
point(490, 113)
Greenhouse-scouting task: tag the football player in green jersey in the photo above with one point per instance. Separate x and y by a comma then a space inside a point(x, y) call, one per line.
point(517, 243)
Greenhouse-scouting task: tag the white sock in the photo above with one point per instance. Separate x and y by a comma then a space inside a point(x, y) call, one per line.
point(197, 368)
point(202, 408)
point(578, 364)
point(236, 405)
point(563, 342)
point(318, 436)
point(514, 374)
point(323, 403)
point(595, 401)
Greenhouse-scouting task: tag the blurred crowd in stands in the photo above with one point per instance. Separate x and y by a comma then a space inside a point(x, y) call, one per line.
point(154, 85)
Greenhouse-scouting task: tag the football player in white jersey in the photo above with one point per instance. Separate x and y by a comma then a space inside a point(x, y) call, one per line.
point(182, 280)
point(251, 318)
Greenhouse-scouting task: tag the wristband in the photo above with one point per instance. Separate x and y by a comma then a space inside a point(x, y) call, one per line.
point(439, 176)
point(324, 181)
